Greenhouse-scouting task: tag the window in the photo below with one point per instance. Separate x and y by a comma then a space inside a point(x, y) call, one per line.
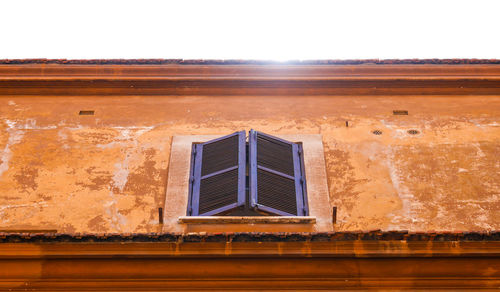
point(178, 189)
point(264, 176)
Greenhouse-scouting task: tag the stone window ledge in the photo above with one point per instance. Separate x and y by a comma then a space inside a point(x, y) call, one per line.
point(247, 219)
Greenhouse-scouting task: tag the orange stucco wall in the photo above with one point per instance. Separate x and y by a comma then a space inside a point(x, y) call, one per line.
point(108, 172)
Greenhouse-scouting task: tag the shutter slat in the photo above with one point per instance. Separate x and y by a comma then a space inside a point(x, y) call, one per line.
point(274, 154)
point(219, 154)
point(219, 172)
point(275, 172)
point(276, 192)
point(275, 176)
point(218, 175)
point(218, 191)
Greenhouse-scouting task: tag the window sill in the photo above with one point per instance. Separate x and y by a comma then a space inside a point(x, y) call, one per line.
point(247, 220)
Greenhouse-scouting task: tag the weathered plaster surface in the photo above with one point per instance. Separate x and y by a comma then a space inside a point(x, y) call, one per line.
point(108, 172)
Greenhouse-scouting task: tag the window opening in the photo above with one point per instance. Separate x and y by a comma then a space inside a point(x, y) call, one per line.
point(261, 176)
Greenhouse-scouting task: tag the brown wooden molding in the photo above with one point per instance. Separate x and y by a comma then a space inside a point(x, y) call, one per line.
point(175, 79)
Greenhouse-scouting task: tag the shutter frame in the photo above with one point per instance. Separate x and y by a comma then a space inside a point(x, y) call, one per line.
point(298, 176)
point(196, 176)
point(305, 200)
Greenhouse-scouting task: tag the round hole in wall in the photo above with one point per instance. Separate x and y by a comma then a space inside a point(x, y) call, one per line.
point(413, 132)
point(377, 132)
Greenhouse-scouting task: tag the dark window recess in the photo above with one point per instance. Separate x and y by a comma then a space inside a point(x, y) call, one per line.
point(400, 112)
point(262, 177)
point(86, 113)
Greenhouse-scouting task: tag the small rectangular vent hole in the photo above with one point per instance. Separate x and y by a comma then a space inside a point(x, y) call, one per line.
point(86, 113)
point(400, 112)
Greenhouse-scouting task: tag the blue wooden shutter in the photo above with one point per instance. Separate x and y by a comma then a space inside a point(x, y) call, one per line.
point(218, 176)
point(277, 180)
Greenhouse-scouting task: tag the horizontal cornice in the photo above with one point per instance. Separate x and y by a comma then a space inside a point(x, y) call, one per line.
point(249, 62)
point(163, 261)
point(249, 265)
point(32, 78)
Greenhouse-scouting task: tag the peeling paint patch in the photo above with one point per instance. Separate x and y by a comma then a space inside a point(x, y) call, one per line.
point(64, 139)
point(36, 204)
point(138, 131)
point(457, 190)
point(480, 152)
point(121, 174)
point(15, 136)
point(128, 138)
point(116, 220)
point(127, 134)
point(26, 178)
point(7, 219)
point(408, 213)
point(28, 124)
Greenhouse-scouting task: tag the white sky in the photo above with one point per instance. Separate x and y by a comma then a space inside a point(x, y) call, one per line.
point(232, 29)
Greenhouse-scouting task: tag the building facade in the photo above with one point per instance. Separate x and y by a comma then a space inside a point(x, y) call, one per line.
point(401, 159)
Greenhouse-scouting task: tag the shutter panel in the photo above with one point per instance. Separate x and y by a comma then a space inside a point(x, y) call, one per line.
point(277, 181)
point(218, 177)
